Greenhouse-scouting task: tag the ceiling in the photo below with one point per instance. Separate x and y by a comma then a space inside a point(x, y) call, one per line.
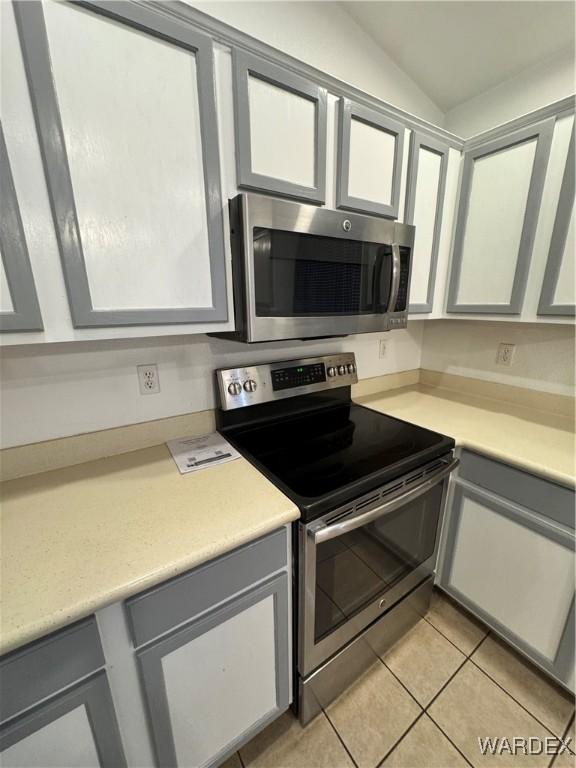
point(456, 50)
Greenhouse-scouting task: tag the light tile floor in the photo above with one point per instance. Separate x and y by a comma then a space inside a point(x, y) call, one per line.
point(424, 705)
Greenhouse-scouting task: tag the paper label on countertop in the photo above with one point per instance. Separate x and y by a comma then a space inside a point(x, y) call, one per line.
point(194, 453)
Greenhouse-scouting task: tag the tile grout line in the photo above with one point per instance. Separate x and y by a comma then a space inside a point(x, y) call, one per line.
point(240, 758)
point(453, 643)
point(443, 732)
point(406, 732)
point(340, 738)
point(547, 727)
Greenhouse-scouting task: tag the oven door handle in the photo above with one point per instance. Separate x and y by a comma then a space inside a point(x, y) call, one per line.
point(327, 532)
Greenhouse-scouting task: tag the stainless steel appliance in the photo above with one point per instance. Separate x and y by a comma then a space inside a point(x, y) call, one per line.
point(306, 272)
point(371, 490)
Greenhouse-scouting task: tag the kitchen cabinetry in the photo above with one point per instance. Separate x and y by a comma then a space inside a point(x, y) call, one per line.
point(215, 658)
point(508, 556)
point(427, 169)
point(558, 289)
point(134, 183)
point(498, 212)
point(280, 121)
point(19, 309)
point(56, 707)
point(370, 151)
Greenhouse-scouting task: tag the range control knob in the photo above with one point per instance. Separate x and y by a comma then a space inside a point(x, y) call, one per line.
point(351, 368)
point(331, 371)
point(250, 385)
point(341, 370)
point(234, 388)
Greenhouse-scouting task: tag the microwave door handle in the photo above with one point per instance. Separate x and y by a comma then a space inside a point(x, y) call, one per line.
point(327, 532)
point(396, 266)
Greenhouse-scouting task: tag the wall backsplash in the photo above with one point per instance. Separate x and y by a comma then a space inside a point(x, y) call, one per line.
point(543, 360)
point(59, 390)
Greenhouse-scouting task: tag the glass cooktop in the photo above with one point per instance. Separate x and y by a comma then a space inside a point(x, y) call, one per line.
point(326, 457)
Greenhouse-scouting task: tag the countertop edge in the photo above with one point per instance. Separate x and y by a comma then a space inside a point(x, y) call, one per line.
point(18, 638)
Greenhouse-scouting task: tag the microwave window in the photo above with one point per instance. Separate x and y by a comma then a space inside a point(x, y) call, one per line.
point(298, 275)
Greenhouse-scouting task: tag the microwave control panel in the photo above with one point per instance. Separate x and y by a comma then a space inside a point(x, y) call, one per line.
point(255, 384)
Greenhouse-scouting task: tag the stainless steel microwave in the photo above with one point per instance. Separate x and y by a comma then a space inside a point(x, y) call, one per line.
point(303, 272)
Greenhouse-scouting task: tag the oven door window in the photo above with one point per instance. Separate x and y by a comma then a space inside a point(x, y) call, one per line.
point(361, 566)
point(298, 275)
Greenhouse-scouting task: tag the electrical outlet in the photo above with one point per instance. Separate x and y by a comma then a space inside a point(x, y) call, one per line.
point(505, 354)
point(148, 379)
point(382, 348)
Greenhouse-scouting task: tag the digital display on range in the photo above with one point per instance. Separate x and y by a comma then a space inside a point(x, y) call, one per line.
point(299, 376)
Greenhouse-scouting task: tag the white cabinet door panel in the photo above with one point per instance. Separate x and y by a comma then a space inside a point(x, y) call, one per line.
point(565, 292)
point(500, 185)
point(280, 122)
point(370, 155)
point(129, 108)
point(238, 657)
point(67, 741)
point(125, 108)
point(426, 185)
point(289, 119)
point(5, 298)
point(220, 678)
point(371, 163)
point(512, 572)
point(558, 294)
point(498, 212)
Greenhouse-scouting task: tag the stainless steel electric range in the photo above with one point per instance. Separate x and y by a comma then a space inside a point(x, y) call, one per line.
point(371, 491)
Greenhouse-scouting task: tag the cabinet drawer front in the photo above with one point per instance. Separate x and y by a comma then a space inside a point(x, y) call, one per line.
point(45, 667)
point(543, 496)
point(162, 608)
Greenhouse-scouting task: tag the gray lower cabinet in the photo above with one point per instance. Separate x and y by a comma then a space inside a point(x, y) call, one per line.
point(508, 556)
point(57, 709)
point(212, 683)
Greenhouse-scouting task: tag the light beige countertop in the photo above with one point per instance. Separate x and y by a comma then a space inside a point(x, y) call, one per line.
point(535, 440)
point(79, 538)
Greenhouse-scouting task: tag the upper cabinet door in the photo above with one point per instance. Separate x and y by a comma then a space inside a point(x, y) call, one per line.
point(124, 104)
point(558, 289)
point(369, 170)
point(280, 130)
point(19, 309)
point(427, 168)
point(499, 204)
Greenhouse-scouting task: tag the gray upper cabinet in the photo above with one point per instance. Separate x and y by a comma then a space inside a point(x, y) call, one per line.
point(558, 290)
point(56, 704)
point(280, 122)
point(19, 308)
point(498, 210)
point(426, 183)
point(370, 151)
point(123, 98)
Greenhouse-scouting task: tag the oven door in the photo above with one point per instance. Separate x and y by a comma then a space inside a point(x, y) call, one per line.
point(355, 565)
point(311, 272)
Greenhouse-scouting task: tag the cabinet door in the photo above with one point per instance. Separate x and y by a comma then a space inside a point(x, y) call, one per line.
point(515, 570)
point(19, 309)
point(123, 99)
point(427, 168)
point(558, 289)
point(220, 679)
point(75, 728)
point(280, 121)
point(370, 150)
point(499, 203)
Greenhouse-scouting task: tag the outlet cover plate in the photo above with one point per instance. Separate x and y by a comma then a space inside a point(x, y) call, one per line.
point(505, 355)
point(148, 379)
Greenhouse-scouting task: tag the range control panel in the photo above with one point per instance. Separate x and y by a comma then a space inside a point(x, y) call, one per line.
point(254, 384)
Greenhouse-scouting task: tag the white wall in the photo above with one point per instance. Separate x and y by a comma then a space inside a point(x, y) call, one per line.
point(323, 35)
point(534, 88)
point(59, 390)
point(544, 358)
